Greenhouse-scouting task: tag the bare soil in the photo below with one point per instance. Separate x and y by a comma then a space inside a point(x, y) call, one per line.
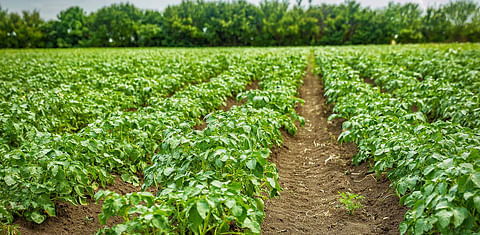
point(370, 81)
point(70, 219)
point(314, 168)
point(134, 110)
point(231, 101)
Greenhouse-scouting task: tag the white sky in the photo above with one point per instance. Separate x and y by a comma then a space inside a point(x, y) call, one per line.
point(50, 8)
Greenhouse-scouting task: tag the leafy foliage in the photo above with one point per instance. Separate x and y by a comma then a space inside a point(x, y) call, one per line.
point(430, 154)
point(350, 201)
point(147, 126)
point(214, 180)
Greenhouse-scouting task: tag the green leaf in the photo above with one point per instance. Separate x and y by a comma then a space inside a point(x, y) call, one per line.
point(271, 182)
point(252, 225)
point(120, 228)
point(476, 202)
point(467, 195)
point(237, 211)
point(203, 208)
point(247, 129)
point(230, 202)
point(5, 215)
point(403, 228)
point(251, 164)
point(420, 226)
point(168, 171)
point(302, 121)
point(9, 180)
point(217, 183)
point(50, 209)
point(101, 194)
point(195, 220)
point(260, 204)
point(419, 208)
point(459, 215)
point(476, 179)
point(379, 152)
point(159, 221)
point(444, 218)
point(428, 169)
point(37, 217)
point(474, 154)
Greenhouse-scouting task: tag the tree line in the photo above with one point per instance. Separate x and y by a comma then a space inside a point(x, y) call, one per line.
point(239, 23)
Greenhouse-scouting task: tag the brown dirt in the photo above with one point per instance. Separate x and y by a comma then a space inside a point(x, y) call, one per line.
point(414, 108)
point(370, 81)
point(70, 219)
point(313, 168)
point(373, 84)
point(131, 110)
point(231, 101)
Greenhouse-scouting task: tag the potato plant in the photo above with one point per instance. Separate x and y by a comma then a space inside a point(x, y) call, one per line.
point(63, 92)
point(215, 180)
point(46, 166)
point(433, 161)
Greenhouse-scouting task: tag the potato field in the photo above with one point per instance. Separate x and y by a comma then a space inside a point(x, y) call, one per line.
point(240, 140)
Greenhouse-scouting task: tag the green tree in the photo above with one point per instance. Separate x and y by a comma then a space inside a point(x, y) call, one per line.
point(21, 31)
point(271, 31)
point(71, 28)
point(333, 25)
point(460, 15)
point(403, 22)
point(115, 25)
point(180, 27)
point(150, 31)
point(4, 29)
point(240, 23)
point(434, 24)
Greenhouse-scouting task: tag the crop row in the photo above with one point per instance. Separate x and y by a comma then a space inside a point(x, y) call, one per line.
point(440, 83)
point(64, 92)
point(434, 167)
point(214, 180)
point(69, 167)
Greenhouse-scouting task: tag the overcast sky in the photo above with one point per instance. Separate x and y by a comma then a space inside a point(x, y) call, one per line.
point(50, 8)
